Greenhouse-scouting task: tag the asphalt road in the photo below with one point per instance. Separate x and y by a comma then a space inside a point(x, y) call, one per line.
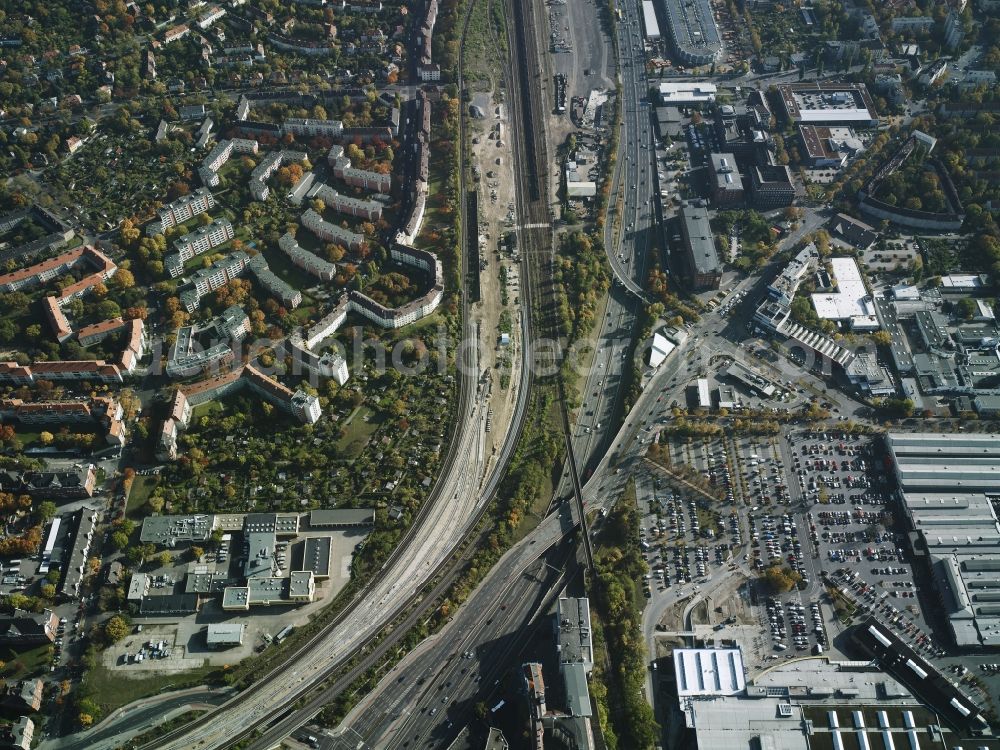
point(113, 734)
point(627, 244)
point(437, 691)
point(505, 606)
point(460, 494)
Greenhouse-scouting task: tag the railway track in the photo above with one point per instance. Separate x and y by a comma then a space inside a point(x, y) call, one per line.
point(374, 647)
point(539, 253)
point(534, 229)
point(536, 240)
point(376, 653)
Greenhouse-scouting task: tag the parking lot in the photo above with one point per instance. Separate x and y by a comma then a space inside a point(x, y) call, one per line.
point(682, 538)
point(811, 503)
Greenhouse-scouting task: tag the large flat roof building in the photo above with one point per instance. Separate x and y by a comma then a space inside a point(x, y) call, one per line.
point(813, 703)
point(342, 517)
point(751, 378)
point(851, 303)
point(828, 104)
point(316, 556)
point(709, 671)
point(687, 94)
point(704, 269)
point(168, 531)
point(694, 35)
point(649, 22)
point(576, 653)
point(948, 486)
point(574, 633)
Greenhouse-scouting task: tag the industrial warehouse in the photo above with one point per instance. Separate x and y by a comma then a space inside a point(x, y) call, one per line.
point(811, 703)
point(948, 488)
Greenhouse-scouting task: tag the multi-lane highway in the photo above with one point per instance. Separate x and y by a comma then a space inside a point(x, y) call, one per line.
point(461, 490)
point(628, 236)
point(441, 530)
point(504, 606)
point(431, 696)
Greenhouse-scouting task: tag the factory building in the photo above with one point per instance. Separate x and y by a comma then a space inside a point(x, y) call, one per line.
point(947, 487)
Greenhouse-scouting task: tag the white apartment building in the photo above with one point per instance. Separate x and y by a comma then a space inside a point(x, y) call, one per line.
point(175, 33)
point(220, 154)
point(345, 204)
point(310, 128)
point(430, 72)
point(215, 276)
point(330, 232)
point(361, 178)
point(268, 166)
point(177, 212)
point(212, 15)
point(306, 260)
point(289, 296)
point(197, 242)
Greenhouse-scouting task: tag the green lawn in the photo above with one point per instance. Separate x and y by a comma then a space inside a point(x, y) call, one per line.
point(142, 488)
point(358, 433)
point(111, 689)
point(206, 409)
point(26, 663)
point(425, 327)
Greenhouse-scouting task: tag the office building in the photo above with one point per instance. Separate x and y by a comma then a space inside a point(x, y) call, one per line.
point(727, 186)
point(704, 269)
point(827, 104)
point(825, 147)
point(771, 186)
point(786, 283)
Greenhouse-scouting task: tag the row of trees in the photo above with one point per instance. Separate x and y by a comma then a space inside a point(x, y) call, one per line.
point(620, 564)
point(583, 278)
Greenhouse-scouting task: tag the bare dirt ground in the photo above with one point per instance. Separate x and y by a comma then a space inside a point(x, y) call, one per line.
point(491, 154)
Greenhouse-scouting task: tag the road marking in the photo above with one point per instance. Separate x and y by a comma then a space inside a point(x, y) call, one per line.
point(537, 225)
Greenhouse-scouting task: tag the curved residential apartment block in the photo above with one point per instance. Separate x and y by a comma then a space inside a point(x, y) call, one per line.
point(300, 345)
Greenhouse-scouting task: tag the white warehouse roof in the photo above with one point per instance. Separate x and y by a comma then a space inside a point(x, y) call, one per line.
point(649, 21)
point(851, 298)
point(709, 671)
point(680, 93)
